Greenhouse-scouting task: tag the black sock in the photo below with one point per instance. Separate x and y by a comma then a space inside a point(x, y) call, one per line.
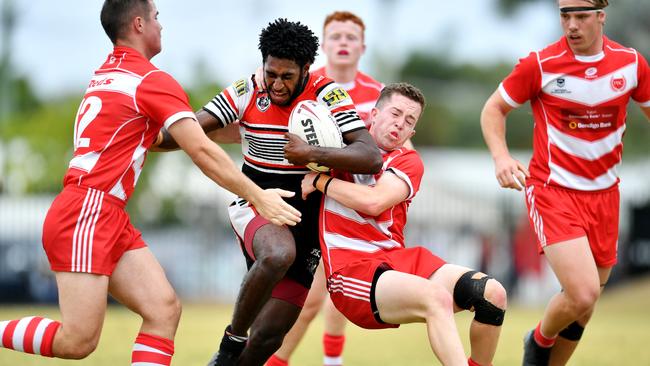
point(231, 343)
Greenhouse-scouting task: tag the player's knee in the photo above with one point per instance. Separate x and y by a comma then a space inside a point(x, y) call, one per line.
point(496, 294)
point(165, 309)
point(475, 294)
point(278, 259)
point(79, 345)
point(437, 300)
point(583, 300)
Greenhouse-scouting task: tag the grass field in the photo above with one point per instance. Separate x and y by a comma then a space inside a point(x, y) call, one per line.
point(618, 335)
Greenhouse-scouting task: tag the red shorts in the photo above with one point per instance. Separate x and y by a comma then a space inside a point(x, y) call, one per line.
point(88, 231)
point(352, 288)
point(558, 214)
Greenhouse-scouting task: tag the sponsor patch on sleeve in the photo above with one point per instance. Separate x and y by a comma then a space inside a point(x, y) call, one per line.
point(335, 96)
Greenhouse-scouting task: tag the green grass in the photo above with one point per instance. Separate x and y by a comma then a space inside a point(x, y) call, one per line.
point(617, 335)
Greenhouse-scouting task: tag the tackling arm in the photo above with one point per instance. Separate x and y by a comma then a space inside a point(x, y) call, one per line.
point(389, 191)
point(210, 125)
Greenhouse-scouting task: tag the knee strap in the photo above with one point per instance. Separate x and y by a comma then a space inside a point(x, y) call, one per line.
point(470, 293)
point(573, 332)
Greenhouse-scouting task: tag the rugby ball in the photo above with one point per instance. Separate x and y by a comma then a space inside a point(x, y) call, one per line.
point(315, 125)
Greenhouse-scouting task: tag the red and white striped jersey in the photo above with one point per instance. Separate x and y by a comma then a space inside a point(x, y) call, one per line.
point(263, 124)
point(579, 107)
point(345, 232)
point(127, 101)
point(364, 91)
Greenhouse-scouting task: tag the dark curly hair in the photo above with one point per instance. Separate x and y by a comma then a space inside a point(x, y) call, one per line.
point(290, 41)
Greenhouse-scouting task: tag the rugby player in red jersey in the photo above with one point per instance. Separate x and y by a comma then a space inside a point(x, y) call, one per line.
point(579, 88)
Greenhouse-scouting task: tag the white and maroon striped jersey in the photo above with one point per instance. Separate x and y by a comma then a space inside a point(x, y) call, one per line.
point(127, 101)
point(579, 107)
point(364, 91)
point(263, 124)
point(345, 232)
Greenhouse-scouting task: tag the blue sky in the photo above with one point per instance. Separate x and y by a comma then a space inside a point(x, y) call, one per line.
point(58, 44)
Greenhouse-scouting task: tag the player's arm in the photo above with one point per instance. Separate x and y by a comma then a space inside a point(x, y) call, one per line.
point(166, 142)
point(360, 156)
point(371, 200)
point(493, 126)
point(646, 111)
point(218, 166)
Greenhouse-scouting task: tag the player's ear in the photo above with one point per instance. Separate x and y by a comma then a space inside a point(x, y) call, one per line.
point(138, 24)
point(305, 69)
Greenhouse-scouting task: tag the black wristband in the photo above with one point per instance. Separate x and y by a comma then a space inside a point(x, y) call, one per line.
point(315, 180)
point(327, 185)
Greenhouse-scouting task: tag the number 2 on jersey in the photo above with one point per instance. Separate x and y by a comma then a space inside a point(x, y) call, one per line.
point(87, 112)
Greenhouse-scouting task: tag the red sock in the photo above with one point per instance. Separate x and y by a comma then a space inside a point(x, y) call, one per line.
point(471, 362)
point(33, 335)
point(333, 349)
point(152, 350)
point(276, 361)
point(542, 340)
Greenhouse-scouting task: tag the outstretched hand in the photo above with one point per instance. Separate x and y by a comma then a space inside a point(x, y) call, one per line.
point(510, 173)
point(273, 208)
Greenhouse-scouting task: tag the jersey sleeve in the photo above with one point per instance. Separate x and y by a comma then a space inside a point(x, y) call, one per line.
point(523, 83)
point(229, 105)
point(338, 101)
point(642, 92)
point(162, 99)
point(408, 167)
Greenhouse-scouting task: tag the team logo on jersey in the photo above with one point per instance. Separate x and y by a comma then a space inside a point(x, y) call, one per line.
point(618, 83)
point(560, 82)
point(591, 72)
point(335, 96)
point(263, 102)
point(241, 87)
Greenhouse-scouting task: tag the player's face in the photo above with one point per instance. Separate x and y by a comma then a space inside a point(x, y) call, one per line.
point(394, 121)
point(152, 31)
point(343, 43)
point(283, 78)
point(582, 29)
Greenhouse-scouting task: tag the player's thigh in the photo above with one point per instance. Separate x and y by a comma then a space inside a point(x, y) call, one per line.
point(573, 265)
point(406, 298)
point(139, 283)
point(82, 301)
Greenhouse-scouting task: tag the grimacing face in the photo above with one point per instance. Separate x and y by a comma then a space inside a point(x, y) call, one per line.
point(343, 43)
point(394, 121)
point(582, 29)
point(283, 78)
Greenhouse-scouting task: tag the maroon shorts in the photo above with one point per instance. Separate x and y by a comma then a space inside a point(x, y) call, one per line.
point(352, 288)
point(558, 215)
point(87, 230)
